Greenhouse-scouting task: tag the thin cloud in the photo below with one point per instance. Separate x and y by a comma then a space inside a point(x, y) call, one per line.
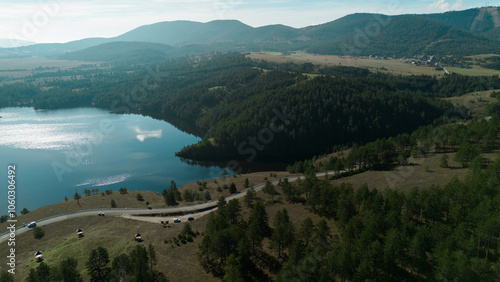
point(445, 6)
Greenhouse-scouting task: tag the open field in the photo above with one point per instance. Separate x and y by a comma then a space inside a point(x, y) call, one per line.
point(483, 56)
point(474, 71)
point(394, 66)
point(21, 67)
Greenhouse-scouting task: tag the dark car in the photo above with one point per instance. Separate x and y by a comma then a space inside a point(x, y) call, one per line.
point(176, 220)
point(190, 218)
point(32, 224)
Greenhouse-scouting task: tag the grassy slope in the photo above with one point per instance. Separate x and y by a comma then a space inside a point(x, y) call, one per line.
point(474, 102)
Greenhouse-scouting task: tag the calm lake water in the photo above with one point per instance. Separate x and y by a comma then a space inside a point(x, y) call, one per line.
point(59, 152)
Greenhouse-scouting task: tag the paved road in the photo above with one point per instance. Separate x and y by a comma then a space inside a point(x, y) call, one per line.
point(142, 211)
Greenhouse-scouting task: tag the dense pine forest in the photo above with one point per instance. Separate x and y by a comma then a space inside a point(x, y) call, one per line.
point(449, 233)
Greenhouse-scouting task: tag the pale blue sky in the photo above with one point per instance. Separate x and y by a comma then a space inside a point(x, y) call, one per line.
point(66, 20)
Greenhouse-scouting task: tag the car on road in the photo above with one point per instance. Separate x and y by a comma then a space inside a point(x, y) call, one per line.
point(32, 224)
point(176, 220)
point(190, 218)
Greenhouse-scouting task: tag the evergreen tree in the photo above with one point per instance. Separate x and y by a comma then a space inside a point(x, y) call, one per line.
point(6, 276)
point(139, 259)
point(77, 197)
point(250, 197)
point(284, 231)
point(269, 189)
point(69, 271)
point(139, 197)
point(259, 215)
point(207, 196)
point(97, 264)
point(232, 188)
point(306, 230)
point(254, 235)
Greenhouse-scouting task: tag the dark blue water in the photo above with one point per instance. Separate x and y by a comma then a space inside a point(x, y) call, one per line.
point(59, 152)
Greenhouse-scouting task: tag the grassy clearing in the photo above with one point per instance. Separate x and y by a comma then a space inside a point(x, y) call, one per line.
point(217, 88)
point(474, 102)
point(420, 173)
point(473, 71)
point(481, 56)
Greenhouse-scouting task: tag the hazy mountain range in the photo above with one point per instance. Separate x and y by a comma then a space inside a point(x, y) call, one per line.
point(467, 32)
point(8, 43)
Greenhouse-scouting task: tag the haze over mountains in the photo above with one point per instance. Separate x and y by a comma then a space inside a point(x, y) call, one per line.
point(467, 32)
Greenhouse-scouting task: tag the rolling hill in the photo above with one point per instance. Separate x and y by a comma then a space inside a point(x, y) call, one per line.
point(467, 32)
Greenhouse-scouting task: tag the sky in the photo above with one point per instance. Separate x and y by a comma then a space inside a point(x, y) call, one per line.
point(50, 21)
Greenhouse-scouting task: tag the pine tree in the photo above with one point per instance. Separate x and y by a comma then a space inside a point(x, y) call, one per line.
point(77, 197)
point(284, 232)
point(232, 188)
point(97, 264)
point(269, 189)
point(69, 271)
point(306, 230)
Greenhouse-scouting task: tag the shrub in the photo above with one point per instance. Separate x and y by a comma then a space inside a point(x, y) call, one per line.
point(139, 197)
point(38, 233)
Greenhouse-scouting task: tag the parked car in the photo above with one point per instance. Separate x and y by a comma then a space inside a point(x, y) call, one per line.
point(190, 218)
point(176, 220)
point(32, 224)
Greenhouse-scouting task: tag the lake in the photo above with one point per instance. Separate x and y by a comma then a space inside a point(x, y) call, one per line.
point(58, 152)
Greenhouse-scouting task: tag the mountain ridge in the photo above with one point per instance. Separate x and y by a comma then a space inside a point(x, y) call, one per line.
point(466, 32)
